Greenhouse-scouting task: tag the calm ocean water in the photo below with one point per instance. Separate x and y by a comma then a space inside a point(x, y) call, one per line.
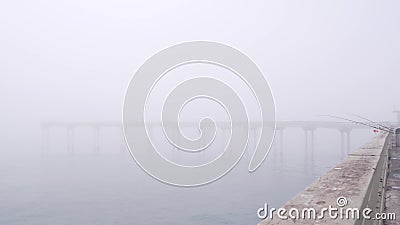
point(108, 187)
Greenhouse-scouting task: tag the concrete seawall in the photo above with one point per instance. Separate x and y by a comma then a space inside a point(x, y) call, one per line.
point(359, 178)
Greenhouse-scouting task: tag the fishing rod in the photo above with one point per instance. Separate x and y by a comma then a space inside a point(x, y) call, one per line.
point(389, 128)
point(361, 123)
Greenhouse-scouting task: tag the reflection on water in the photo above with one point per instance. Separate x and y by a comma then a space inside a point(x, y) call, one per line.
point(93, 180)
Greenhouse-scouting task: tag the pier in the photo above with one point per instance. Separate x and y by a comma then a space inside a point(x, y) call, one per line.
point(309, 128)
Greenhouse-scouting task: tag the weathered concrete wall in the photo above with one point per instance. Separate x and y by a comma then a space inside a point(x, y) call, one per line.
point(392, 202)
point(357, 178)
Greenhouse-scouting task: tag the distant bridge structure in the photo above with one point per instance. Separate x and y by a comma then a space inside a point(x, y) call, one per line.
point(309, 127)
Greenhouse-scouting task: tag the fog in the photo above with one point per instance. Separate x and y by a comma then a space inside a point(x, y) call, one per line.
point(72, 61)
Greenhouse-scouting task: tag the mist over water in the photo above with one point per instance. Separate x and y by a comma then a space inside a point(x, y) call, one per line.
point(105, 186)
point(71, 62)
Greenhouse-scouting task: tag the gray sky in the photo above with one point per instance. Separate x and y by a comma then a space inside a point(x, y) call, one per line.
point(72, 60)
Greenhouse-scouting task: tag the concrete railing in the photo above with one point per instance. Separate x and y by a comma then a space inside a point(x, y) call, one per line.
point(359, 178)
